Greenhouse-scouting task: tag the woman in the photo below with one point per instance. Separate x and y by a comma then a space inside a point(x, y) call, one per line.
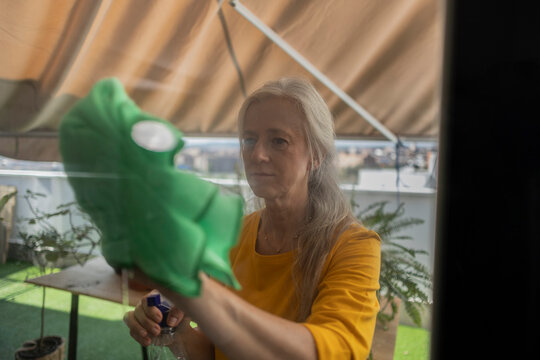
point(309, 271)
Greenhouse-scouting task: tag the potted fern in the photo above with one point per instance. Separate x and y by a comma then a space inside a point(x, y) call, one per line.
point(51, 248)
point(404, 280)
point(402, 276)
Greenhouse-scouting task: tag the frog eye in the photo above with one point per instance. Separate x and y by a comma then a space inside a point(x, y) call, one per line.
point(153, 135)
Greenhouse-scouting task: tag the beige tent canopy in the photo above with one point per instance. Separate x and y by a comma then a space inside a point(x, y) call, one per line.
point(192, 62)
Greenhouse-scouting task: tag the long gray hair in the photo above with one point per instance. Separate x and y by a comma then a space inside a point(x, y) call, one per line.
point(328, 210)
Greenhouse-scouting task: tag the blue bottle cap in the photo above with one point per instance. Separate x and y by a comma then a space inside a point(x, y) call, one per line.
point(153, 300)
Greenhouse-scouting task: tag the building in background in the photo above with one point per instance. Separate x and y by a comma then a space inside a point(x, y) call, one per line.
point(372, 164)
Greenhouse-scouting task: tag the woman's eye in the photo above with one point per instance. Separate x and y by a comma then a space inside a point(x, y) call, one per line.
point(280, 143)
point(248, 143)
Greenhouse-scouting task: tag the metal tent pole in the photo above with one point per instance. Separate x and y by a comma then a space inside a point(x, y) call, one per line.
point(276, 39)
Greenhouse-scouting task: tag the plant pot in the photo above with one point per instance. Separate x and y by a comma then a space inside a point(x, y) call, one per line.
point(384, 339)
point(53, 349)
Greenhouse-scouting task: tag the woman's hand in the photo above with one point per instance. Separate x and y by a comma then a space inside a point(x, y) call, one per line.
point(143, 321)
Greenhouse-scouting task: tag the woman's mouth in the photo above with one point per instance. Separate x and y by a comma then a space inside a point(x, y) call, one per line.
point(261, 174)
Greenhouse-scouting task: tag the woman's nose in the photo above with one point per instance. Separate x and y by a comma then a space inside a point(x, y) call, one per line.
point(259, 152)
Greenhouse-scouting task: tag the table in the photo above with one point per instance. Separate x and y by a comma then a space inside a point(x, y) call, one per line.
point(95, 279)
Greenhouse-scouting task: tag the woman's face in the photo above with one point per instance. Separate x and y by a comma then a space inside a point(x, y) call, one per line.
point(274, 150)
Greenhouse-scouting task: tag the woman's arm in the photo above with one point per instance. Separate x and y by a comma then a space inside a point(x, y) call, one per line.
point(241, 330)
point(192, 341)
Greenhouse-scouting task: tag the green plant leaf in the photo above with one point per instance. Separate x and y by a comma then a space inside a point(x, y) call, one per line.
point(5, 198)
point(402, 275)
point(413, 312)
point(67, 205)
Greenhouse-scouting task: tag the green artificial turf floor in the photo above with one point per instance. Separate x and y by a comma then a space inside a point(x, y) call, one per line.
point(102, 334)
point(411, 343)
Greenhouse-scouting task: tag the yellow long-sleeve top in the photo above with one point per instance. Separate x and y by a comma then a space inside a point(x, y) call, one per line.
point(343, 315)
